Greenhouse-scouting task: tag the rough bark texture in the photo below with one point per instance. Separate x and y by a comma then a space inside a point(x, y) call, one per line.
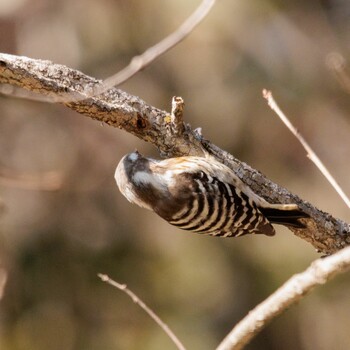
point(130, 113)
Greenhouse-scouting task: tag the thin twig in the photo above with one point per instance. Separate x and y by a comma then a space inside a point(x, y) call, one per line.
point(137, 63)
point(143, 306)
point(310, 153)
point(319, 272)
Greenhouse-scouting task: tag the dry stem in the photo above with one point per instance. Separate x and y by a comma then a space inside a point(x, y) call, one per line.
point(144, 307)
point(138, 63)
point(319, 272)
point(310, 153)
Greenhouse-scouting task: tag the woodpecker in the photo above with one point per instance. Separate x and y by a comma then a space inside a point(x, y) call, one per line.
point(202, 195)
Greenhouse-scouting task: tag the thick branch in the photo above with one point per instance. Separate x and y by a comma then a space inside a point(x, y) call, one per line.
point(130, 113)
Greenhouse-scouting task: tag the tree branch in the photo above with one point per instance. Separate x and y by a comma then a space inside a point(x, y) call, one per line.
point(121, 110)
point(144, 307)
point(310, 153)
point(139, 62)
point(319, 272)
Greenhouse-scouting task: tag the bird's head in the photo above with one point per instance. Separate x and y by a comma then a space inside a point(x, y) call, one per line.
point(137, 180)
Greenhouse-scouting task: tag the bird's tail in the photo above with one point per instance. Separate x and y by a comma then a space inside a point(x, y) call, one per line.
point(284, 214)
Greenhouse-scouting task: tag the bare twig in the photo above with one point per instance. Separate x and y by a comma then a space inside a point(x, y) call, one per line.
point(319, 272)
point(143, 306)
point(310, 153)
point(137, 63)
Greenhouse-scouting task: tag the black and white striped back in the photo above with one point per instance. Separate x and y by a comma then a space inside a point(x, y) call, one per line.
point(218, 209)
point(202, 195)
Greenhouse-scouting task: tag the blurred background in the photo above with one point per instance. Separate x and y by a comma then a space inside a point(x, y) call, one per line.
point(63, 219)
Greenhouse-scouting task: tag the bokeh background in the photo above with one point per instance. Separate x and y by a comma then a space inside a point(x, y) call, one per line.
point(65, 221)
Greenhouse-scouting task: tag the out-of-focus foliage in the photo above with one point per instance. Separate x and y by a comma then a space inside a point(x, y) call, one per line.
point(53, 243)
